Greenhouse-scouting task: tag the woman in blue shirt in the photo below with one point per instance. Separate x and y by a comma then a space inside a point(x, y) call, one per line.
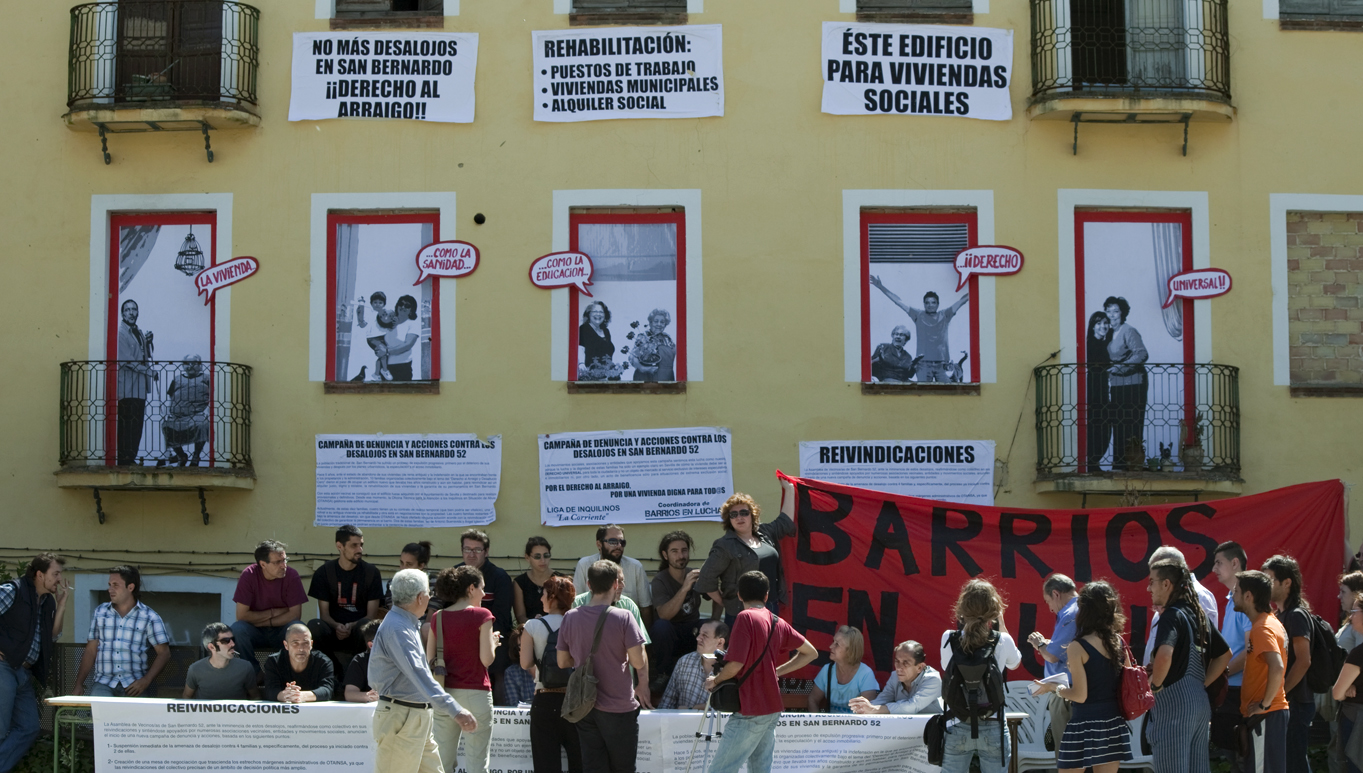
point(845, 677)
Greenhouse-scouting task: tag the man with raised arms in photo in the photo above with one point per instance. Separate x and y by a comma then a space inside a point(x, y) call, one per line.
point(932, 326)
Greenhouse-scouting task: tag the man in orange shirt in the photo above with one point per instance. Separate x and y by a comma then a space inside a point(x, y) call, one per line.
point(1262, 698)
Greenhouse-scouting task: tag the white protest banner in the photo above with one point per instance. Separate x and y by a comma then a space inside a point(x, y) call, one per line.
point(133, 735)
point(917, 69)
point(417, 76)
point(946, 470)
point(635, 476)
point(629, 72)
point(417, 481)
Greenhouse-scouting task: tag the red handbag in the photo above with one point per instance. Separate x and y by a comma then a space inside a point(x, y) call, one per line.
point(1135, 697)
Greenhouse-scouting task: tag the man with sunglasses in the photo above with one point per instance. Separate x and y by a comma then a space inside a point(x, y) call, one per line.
point(610, 546)
point(221, 676)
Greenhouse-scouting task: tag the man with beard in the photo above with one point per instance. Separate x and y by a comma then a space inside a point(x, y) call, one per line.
point(610, 546)
point(678, 611)
point(32, 609)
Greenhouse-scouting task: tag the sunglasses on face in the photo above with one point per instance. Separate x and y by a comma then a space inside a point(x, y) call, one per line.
point(613, 542)
point(228, 640)
point(740, 513)
point(540, 556)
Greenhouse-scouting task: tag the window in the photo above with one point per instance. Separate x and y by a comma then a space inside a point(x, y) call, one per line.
point(1324, 319)
point(371, 14)
point(939, 11)
point(1320, 14)
point(589, 12)
point(385, 332)
point(917, 328)
point(633, 325)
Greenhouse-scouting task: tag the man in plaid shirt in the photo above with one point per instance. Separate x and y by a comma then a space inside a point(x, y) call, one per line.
point(686, 688)
point(120, 633)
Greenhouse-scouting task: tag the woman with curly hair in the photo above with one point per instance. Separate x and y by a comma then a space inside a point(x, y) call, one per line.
point(979, 617)
point(748, 545)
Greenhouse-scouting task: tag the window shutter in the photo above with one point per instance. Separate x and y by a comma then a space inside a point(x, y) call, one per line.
point(1347, 7)
point(915, 6)
point(629, 6)
point(1304, 6)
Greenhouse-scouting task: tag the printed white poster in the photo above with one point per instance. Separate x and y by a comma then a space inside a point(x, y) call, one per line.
point(827, 743)
point(917, 69)
point(600, 73)
point(959, 471)
point(414, 76)
point(414, 481)
point(635, 476)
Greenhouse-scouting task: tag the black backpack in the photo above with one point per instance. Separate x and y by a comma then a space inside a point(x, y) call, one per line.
point(552, 676)
point(1327, 657)
point(974, 689)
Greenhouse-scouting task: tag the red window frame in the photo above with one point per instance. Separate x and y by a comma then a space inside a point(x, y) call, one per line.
point(334, 220)
point(574, 315)
point(971, 220)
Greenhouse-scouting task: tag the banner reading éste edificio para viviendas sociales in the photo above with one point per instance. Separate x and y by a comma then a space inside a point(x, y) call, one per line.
point(946, 470)
point(917, 69)
point(415, 481)
point(893, 565)
point(629, 72)
point(415, 76)
point(635, 476)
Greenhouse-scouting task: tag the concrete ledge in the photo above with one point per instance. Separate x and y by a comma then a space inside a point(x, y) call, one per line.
point(156, 478)
point(218, 115)
point(1154, 483)
point(1061, 107)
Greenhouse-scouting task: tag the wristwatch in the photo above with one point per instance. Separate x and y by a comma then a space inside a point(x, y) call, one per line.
point(1265, 708)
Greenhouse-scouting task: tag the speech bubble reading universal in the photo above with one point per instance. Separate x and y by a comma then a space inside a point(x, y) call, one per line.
point(990, 259)
point(1198, 283)
point(563, 269)
point(214, 278)
point(450, 259)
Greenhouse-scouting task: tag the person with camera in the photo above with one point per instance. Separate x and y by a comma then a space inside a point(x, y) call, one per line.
point(757, 639)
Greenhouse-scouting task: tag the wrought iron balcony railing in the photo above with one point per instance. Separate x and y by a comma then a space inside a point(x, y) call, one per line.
point(1130, 48)
point(150, 51)
point(155, 414)
point(1179, 419)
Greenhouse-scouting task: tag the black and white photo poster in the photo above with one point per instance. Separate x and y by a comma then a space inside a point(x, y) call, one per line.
point(917, 69)
point(959, 471)
point(414, 76)
point(600, 73)
point(635, 476)
point(413, 481)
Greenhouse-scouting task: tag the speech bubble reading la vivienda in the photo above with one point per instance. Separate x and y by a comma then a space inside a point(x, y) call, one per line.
point(563, 269)
point(214, 278)
point(446, 259)
point(1198, 283)
point(992, 259)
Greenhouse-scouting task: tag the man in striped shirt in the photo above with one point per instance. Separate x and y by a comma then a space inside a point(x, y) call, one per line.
point(120, 632)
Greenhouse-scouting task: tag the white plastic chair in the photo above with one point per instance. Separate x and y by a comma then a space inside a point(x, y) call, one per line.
point(1032, 752)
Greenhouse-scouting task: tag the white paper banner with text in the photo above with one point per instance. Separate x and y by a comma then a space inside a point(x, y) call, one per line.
point(917, 69)
point(946, 470)
point(635, 476)
point(826, 743)
point(414, 481)
point(415, 76)
point(629, 72)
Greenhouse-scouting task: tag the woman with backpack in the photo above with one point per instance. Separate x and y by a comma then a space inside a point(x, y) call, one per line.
point(979, 608)
point(549, 731)
point(1096, 735)
point(461, 644)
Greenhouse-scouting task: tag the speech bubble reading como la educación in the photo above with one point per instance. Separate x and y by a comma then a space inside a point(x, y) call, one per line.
point(1198, 283)
point(563, 269)
point(446, 259)
point(992, 259)
point(214, 278)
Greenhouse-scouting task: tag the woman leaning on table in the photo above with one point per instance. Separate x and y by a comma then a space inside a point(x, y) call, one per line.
point(747, 545)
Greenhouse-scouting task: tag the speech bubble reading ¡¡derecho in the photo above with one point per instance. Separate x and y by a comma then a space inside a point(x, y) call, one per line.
point(1198, 283)
point(991, 259)
point(563, 269)
point(214, 278)
point(450, 259)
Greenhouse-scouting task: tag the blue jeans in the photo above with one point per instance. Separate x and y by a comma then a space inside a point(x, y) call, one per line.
point(98, 690)
point(249, 637)
point(960, 747)
point(746, 739)
point(18, 714)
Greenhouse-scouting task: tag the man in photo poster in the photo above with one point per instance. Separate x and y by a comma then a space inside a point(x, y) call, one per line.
point(932, 325)
point(134, 382)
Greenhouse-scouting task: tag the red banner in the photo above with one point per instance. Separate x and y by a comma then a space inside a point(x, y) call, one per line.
point(893, 565)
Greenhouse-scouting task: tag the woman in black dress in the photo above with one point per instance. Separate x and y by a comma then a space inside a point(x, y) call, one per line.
point(594, 337)
point(1097, 361)
point(530, 585)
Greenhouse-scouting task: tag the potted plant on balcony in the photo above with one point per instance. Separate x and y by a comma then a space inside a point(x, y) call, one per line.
point(1191, 454)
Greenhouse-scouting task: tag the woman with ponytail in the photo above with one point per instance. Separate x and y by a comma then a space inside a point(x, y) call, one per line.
point(979, 617)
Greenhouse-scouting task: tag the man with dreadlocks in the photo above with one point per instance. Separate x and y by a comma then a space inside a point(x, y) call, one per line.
point(1262, 700)
point(1294, 614)
point(1189, 654)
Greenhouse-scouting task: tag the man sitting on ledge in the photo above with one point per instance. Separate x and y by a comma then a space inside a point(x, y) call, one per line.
point(221, 676)
point(269, 598)
point(296, 674)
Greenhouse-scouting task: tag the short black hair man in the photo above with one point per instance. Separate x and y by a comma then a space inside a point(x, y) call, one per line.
point(32, 608)
point(121, 630)
point(610, 546)
point(269, 598)
point(499, 598)
point(222, 676)
point(348, 590)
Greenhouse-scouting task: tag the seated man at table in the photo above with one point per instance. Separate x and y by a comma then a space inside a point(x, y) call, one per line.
point(269, 598)
point(357, 689)
point(297, 674)
point(120, 633)
point(686, 688)
point(221, 676)
point(917, 688)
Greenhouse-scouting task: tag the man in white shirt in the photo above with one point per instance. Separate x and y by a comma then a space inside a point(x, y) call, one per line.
point(1205, 598)
point(610, 546)
point(402, 340)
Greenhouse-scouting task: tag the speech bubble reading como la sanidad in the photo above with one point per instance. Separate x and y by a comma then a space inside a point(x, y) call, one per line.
point(1198, 283)
point(446, 259)
point(214, 278)
point(563, 269)
point(992, 259)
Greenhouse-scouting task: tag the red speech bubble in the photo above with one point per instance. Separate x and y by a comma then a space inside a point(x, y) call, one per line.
point(1198, 283)
point(214, 278)
point(992, 259)
point(446, 259)
point(563, 269)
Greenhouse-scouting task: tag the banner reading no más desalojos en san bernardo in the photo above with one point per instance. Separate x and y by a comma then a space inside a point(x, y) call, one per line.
point(414, 76)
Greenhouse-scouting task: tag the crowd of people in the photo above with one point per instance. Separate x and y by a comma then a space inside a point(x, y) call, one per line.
point(436, 658)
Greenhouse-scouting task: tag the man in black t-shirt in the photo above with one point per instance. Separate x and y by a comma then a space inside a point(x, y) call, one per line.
point(1294, 614)
point(348, 591)
point(676, 605)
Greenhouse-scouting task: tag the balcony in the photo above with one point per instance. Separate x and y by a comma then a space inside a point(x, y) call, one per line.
point(192, 431)
point(1095, 438)
point(163, 65)
point(1130, 61)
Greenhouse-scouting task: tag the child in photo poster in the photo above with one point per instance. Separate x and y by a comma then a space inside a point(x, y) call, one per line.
point(386, 321)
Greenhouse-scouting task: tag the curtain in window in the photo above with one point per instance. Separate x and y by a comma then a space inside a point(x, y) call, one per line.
point(630, 252)
point(135, 243)
point(347, 248)
point(1167, 240)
